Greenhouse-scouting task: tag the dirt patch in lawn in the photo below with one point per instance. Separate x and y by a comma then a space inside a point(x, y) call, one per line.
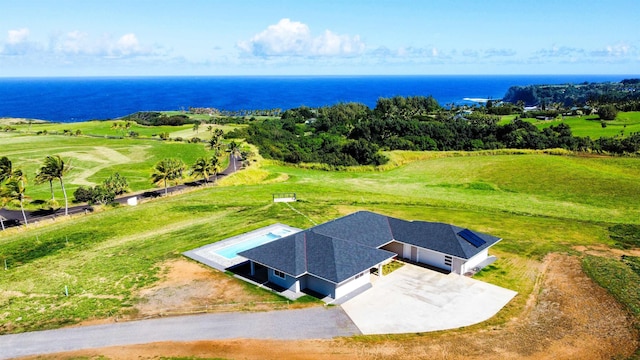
point(187, 287)
point(568, 317)
point(602, 250)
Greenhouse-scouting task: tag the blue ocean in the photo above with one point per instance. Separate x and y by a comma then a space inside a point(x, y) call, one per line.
point(82, 99)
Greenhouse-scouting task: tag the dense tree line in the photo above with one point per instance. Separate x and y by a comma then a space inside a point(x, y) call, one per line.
point(625, 92)
point(352, 134)
point(151, 118)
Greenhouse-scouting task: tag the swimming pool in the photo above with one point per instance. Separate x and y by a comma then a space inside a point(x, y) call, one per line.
point(231, 251)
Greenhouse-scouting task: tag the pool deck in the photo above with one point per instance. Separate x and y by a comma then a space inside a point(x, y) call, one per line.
point(208, 254)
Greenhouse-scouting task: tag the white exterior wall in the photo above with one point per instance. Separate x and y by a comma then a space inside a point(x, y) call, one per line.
point(474, 261)
point(352, 284)
point(457, 266)
point(288, 282)
point(432, 258)
point(320, 286)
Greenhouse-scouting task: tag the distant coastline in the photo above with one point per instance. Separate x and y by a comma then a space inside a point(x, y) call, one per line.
point(83, 99)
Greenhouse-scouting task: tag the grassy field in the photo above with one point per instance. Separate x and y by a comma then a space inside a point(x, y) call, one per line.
point(624, 124)
point(105, 128)
point(93, 159)
point(537, 203)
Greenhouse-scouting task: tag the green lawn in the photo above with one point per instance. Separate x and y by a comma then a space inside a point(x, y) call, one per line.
point(537, 203)
point(93, 159)
point(624, 124)
point(104, 128)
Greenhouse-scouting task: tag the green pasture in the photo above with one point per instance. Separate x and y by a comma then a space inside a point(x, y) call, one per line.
point(591, 125)
point(106, 129)
point(537, 203)
point(93, 159)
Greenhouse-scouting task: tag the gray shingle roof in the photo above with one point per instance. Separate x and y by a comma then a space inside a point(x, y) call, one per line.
point(344, 247)
point(364, 227)
point(329, 258)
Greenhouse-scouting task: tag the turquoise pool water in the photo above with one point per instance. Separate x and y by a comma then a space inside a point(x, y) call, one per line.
point(232, 251)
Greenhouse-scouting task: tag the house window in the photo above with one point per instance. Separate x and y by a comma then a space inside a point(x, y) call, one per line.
point(279, 274)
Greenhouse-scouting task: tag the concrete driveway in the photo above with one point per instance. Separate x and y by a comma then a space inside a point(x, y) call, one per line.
point(415, 299)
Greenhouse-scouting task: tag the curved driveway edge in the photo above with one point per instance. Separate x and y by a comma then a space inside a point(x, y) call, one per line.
point(310, 323)
point(413, 299)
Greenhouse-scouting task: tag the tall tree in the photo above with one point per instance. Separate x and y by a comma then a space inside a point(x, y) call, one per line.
point(216, 166)
point(6, 168)
point(6, 171)
point(215, 143)
point(15, 189)
point(202, 168)
point(43, 176)
point(55, 168)
point(169, 169)
point(4, 199)
point(234, 150)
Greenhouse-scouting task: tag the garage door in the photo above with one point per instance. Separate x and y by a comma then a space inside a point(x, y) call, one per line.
point(433, 259)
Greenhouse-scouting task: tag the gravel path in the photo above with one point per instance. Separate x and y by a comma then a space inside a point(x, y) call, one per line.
point(310, 323)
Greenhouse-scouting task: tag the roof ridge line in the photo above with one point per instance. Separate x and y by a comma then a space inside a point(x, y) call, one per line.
point(457, 237)
point(306, 261)
point(393, 236)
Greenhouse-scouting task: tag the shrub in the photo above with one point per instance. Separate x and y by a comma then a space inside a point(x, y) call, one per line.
point(607, 112)
point(83, 194)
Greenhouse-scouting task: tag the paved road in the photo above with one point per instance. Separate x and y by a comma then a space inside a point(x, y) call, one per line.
point(310, 323)
point(14, 217)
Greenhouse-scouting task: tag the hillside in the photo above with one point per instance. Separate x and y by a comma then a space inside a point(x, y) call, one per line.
point(575, 94)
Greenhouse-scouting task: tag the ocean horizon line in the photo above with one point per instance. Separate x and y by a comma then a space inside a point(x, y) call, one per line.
point(76, 99)
point(308, 76)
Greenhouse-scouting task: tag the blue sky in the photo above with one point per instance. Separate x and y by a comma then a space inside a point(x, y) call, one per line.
point(328, 37)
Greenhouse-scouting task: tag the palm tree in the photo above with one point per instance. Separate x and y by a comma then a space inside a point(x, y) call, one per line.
point(234, 149)
point(202, 168)
point(6, 172)
point(167, 170)
point(216, 166)
point(196, 127)
point(43, 176)
point(55, 168)
point(215, 143)
point(15, 189)
point(3, 201)
point(6, 168)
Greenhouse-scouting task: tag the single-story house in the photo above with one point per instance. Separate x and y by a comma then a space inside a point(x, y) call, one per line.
point(335, 258)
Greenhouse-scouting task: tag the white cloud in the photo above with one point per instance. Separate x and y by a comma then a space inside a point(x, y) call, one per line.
point(18, 43)
point(560, 51)
point(82, 44)
point(17, 36)
point(617, 51)
point(127, 45)
point(74, 42)
point(293, 38)
point(488, 53)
